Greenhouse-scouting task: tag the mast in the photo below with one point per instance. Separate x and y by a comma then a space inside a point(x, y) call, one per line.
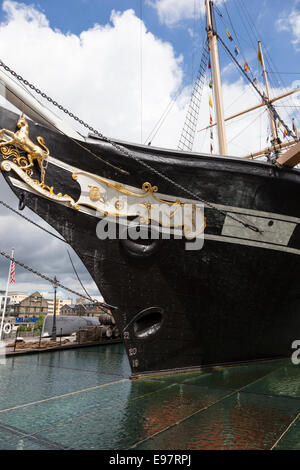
point(213, 46)
point(273, 123)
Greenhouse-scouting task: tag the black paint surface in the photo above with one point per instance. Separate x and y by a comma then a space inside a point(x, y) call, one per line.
point(225, 303)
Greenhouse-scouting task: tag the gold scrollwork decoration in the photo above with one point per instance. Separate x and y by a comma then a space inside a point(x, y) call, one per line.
point(9, 151)
point(146, 187)
point(13, 145)
point(140, 203)
point(21, 140)
point(38, 187)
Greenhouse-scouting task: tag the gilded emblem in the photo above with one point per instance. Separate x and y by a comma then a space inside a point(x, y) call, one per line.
point(22, 140)
point(119, 205)
point(94, 193)
point(11, 145)
point(124, 201)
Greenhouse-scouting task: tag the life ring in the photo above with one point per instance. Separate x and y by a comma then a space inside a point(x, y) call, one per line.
point(7, 328)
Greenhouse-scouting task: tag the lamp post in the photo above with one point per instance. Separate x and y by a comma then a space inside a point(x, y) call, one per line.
point(54, 313)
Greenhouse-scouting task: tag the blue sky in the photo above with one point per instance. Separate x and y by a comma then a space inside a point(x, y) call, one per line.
point(76, 16)
point(98, 74)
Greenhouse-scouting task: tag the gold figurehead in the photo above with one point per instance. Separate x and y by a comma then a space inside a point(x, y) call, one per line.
point(22, 140)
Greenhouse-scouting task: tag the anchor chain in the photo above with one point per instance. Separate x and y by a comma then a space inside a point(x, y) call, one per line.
point(54, 282)
point(125, 151)
point(32, 222)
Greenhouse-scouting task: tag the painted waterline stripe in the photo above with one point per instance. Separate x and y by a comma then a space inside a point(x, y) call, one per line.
point(237, 210)
point(241, 241)
point(219, 238)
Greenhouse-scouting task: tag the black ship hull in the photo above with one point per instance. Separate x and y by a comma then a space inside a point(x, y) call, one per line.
point(235, 300)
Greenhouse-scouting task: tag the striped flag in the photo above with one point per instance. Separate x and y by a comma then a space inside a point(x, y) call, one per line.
point(229, 35)
point(12, 273)
point(246, 67)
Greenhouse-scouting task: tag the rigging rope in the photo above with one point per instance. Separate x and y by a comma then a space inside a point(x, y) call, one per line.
point(50, 233)
point(126, 152)
point(187, 137)
point(236, 37)
point(162, 119)
point(268, 58)
point(76, 142)
point(32, 222)
point(54, 282)
point(247, 126)
point(265, 100)
point(79, 280)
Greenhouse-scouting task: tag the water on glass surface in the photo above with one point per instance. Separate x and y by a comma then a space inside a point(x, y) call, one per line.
point(83, 399)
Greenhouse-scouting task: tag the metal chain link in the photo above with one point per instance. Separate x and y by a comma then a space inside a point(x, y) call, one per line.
point(126, 152)
point(32, 222)
point(53, 281)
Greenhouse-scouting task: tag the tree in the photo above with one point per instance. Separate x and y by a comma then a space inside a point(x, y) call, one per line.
point(39, 324)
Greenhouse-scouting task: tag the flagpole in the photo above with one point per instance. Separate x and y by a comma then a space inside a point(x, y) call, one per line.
point(6, 294)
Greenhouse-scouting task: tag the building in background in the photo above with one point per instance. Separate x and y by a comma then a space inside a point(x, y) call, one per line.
point(17, 297)
point(9, 305)
point(80, 309)
point(59, 304)
point(67, 309)
point(31, 305)
point(12, 299)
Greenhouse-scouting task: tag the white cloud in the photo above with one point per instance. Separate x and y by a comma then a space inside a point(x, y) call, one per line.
point(247, 133)
point(172, 12)
point(38, 250)
point(290, 21)
point(97, 75)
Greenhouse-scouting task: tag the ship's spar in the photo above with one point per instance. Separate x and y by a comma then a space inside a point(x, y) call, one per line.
point(291, 158)
point(42, 115)
point(178, 310)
